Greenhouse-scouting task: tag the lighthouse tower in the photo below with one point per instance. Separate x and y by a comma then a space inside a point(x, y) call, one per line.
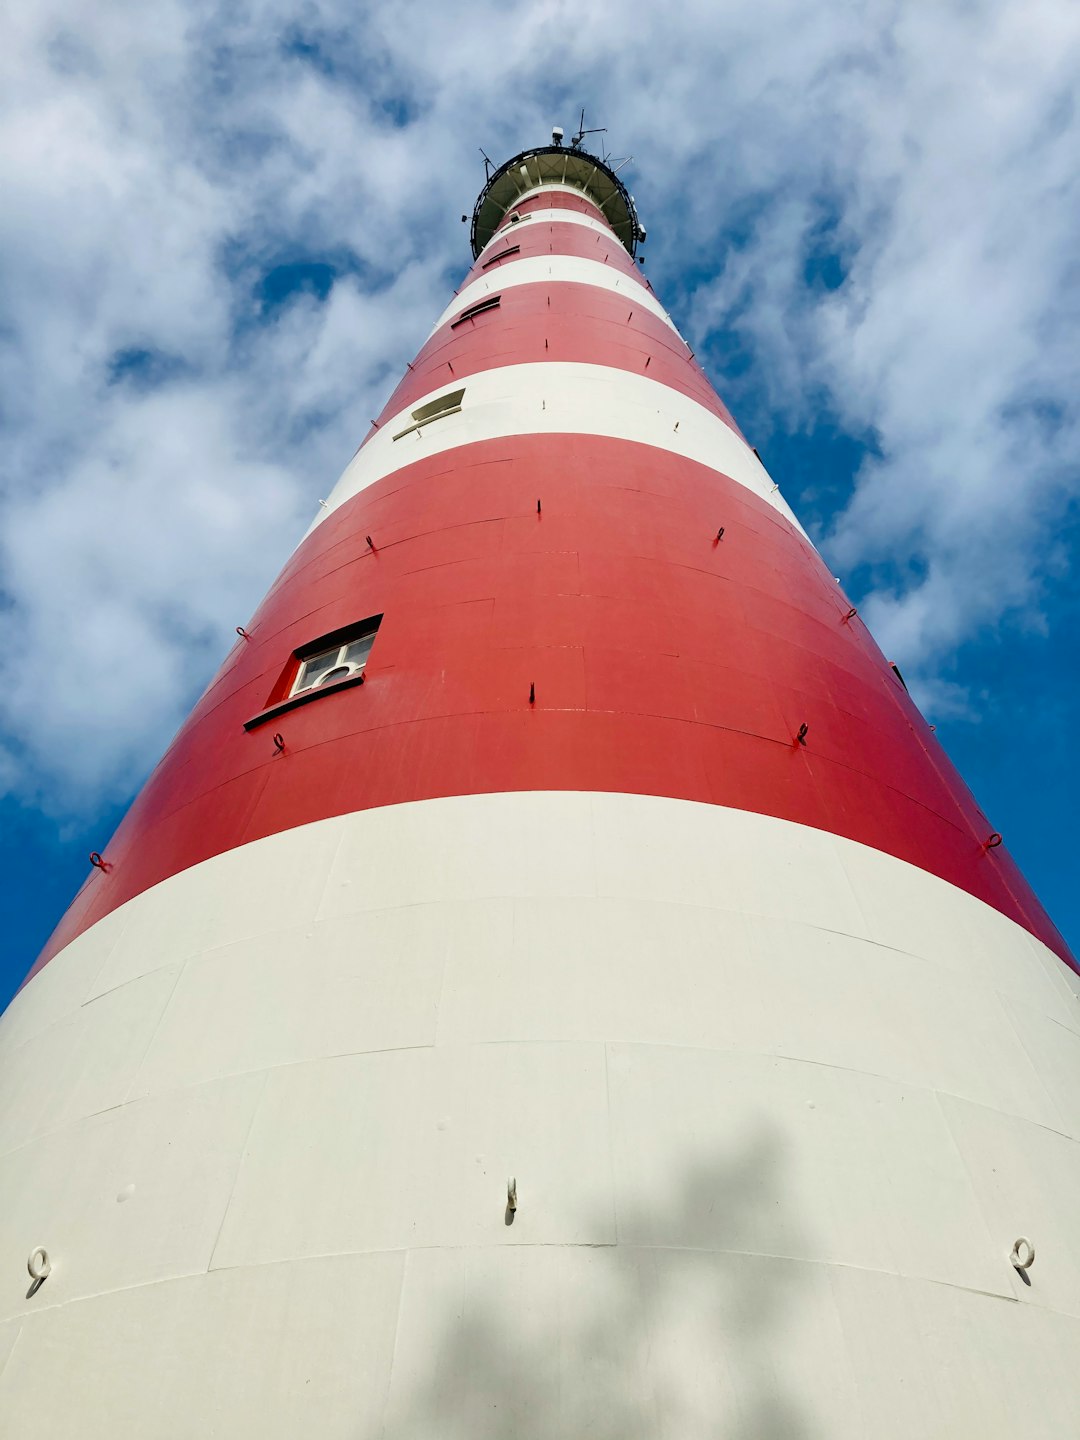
point(554, 984)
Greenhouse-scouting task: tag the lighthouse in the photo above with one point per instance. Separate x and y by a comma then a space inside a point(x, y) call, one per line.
point(554, 983)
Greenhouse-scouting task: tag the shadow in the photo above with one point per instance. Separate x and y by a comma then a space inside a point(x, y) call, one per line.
point(35, 1286)
point(682, 1328)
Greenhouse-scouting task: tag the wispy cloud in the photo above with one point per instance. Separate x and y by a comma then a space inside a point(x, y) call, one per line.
point(877, 207)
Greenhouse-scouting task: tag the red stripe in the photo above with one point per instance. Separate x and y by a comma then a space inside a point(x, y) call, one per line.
point(664, 662)
point(555, 237)
point(555, 200)
point(564, 321)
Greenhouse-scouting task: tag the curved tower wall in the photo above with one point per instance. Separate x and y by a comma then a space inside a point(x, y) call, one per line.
point(783, 1055)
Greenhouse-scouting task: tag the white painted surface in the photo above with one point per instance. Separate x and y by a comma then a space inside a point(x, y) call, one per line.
point(68, 1065)
point(278, 1352)
point(429, 1137)
point(777, 1105)
point(553, 270)
point(561, 397)
point(554, 216)
point(68, 1191)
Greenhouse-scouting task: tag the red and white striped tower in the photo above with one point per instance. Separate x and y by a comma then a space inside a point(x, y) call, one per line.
point(556, 818)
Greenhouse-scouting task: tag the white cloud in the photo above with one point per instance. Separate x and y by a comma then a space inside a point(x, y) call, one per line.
point(157, 163)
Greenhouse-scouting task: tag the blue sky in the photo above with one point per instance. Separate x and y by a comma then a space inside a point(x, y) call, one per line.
point(224, 234)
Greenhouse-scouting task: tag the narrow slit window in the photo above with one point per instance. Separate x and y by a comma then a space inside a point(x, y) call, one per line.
point(448, 404)
point(502, 255)
point(471, 311)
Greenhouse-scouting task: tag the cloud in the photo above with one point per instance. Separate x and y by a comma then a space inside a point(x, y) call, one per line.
point(874, 209)
point(951, 339)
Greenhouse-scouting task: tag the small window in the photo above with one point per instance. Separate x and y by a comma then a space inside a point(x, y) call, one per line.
point(502, 255)
point(321, 666)
point(448, 404)
point(471, 311)
point(338, 662)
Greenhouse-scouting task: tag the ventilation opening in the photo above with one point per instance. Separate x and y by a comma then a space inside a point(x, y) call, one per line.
point(471, 311)
point(502, 255)
point(448, 404)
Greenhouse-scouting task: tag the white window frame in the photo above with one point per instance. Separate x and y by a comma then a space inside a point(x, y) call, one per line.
point(339, 662)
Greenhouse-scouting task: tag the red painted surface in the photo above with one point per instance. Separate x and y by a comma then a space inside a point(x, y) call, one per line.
point(664, 662)
point(556, 321)
point(555, 237)
point(555, 200)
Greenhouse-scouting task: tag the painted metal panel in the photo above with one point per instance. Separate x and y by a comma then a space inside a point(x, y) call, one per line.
point(662, 661)
point(127, 1197)
point(724, 1091)
point(620, 969)
point(275, 1352)
point(938, 1362)
point(848, 1169)
point(83, 1064)
point(363, 982)
point(1027, 1178)
point(68, 982)
point(414, 1148)
point(1055, 1048)
point(627, 1342)
point(207, 910)
point(9, 1334)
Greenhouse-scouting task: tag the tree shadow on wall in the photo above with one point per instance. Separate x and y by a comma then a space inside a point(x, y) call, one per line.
point(680, 1330)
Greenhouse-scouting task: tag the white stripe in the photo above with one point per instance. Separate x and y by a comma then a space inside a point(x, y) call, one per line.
point(247, 912)
point(548, 217)
point(534, 269)
point(340, 1040)
point(561, 397)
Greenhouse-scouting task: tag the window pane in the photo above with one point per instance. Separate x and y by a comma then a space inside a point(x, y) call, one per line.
point(359, 650)
point(331, 677)
point(317, 666)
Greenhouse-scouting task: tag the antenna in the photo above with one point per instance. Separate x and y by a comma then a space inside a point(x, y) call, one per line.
point(488, 164)
point(575, 140)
